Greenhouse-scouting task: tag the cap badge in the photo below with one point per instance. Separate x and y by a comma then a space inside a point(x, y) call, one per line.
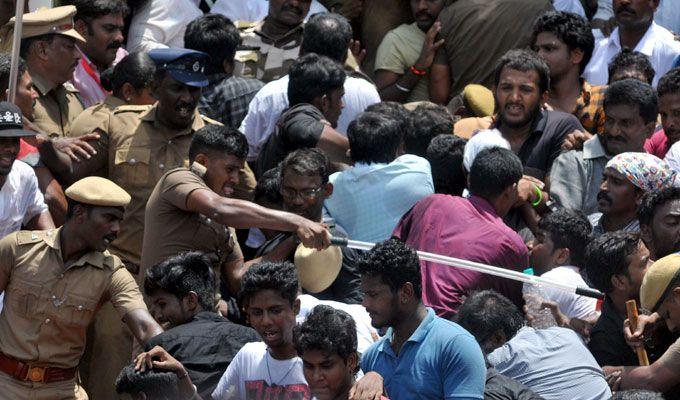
point(11, 117)
point(196, 66)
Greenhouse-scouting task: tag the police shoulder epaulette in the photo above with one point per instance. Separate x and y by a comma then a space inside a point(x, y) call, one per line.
point(28, 237)
point(69, 87)
point(131, 108)
point(245, 25)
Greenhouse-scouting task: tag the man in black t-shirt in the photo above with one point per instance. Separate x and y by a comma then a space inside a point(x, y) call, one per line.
point(315, 91)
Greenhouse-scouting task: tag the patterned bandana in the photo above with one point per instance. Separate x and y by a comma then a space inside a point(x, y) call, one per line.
point(643, 170)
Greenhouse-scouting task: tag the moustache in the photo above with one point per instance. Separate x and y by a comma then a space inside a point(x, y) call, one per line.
point(296, 10)
point(115, 45)
point(623, 8)
point(604, 196)
point(423, 14)
point(184, 104)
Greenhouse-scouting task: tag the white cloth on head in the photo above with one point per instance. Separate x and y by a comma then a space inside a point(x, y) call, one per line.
point(161, 24)
point(266, 107)
point(483, 139)
point(658, 44)
point(20, 198)
point(366, 333)
point(254, 10)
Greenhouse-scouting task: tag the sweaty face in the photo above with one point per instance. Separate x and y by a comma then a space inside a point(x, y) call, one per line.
point(518, 97)
point(665, 229)
point(222, 174)
point(104, 37)
point(634, 13)
point(26, 96)
point(289, 12)
point(328, 375)
point(177, 102)
point(541, 256)
point(624, 129)
point(100, 226)
point(272, 317)
point(303, 195)
point(168, 310)
point(669, 109)
point(554, 52)
point(63, 56)
point(9, 149)
point(617, 195)
point(379, 300)
point(425, 12)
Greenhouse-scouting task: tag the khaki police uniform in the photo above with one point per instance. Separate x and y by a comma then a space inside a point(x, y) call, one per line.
point(50, 302)
point(263, 57)
point(58, 105)
point(56, 108)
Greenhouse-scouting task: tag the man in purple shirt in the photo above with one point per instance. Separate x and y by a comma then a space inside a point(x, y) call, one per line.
point(470, 229)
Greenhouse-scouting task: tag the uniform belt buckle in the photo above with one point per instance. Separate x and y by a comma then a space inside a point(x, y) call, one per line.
point(36, 374)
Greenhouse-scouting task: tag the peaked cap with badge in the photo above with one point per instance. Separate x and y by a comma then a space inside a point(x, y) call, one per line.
point(186, 66)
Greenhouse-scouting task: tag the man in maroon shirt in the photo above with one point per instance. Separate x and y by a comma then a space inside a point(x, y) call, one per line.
point(470, 229)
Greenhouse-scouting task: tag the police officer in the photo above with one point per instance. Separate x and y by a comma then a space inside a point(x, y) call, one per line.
point(48, 44)
point(269, 47)
point(54, 283)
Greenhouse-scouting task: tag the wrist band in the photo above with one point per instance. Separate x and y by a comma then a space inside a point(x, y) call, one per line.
point(401, 88)
point(540, 196)
point(416, 71)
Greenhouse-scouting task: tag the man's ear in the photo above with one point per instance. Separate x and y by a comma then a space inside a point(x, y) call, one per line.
point(562, 256)
point(619, 282)
point(352, 362)
point(191, 301)
point(646, 234)
point(328, 189)
point(81, 27)
point(545, 97)
point(296, 306)
point(201, 159)
point(576, 56)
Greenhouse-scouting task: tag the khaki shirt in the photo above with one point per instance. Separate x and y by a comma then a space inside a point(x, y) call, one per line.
point(171, 229)
point(56, 108)
point(266, 58)
point(95, 119)
point(48, 305)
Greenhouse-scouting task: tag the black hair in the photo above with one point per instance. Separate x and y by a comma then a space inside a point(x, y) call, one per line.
point(654, 200)
point(524, 60)
point(5, 66)
point(607, 255)
point(71, 207)
point(637, 394)
point(394, 262)
point(89, 10)
point(485, 312)
point(445, 154)
point(395, 111)
point(307, 162)
point(312, 76)
point(631, 59)
point(327, 34)
point(280, 277)
point(137, 69)
point(155, 384)
point(181, 274)
point(215, 35)
point(214, 138)
point(426, 122)
point(373, 138)
point(669, 83)
point(28, 42)
point(268, 188)
point(493, 171)
point(329, 330)
point(633, 93)
point(571, 29)
point(568, 229)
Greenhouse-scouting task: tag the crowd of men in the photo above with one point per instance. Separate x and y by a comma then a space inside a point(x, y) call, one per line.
point(177, 178)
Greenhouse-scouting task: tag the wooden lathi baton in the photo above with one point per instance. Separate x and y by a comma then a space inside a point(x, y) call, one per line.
point(631, 310)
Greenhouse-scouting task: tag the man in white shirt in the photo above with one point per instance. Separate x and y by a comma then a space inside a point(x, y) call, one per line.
point(636, 30)
point(161, 24)
point(21, 202)
point(328, 35)
point(253, 10)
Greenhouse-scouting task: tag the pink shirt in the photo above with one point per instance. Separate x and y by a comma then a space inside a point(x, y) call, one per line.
point(463, 228)
point(91, 91)
point(658, 144)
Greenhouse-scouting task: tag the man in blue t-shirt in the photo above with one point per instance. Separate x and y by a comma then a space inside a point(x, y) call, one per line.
point(421, 356)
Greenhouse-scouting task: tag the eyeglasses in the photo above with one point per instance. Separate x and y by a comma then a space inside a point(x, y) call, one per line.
point(305, 194)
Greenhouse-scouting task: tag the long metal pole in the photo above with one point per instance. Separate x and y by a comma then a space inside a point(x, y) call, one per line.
point(479, 267)
point(16, 46)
